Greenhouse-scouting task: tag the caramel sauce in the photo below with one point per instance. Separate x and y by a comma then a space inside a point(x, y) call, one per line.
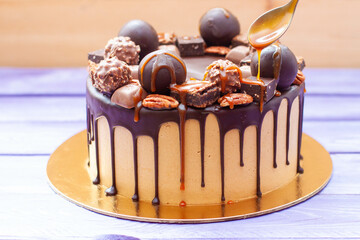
point(277, 93)
point(137, 100)
point(229, 100)
point(182, 204)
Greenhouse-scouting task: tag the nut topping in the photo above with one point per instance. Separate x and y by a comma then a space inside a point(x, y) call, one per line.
point(232, 99)
point(217, 50)
point(300, 78)
point(159, 102)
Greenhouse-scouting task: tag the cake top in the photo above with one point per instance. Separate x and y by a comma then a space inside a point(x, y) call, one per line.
point(141, 67)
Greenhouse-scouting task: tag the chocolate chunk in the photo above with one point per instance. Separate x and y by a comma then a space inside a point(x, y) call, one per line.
point(124, 49)
point(301, 63)
point(109, 75)
point(190, 46)
point(217, 50)
point(237, 54)
point(225, 74)
point(196, 93)
point(143, 34)
point(218, 26)
point(127, 96)
point(96, 56)
point(254, 90)
point(170, 48)
point(240, 40)
point(167, 38)
point(159, 69)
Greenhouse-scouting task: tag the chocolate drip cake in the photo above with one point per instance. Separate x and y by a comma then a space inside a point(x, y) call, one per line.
point(196, 129)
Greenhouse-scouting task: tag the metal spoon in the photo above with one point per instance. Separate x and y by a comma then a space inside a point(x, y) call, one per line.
point(270, 26)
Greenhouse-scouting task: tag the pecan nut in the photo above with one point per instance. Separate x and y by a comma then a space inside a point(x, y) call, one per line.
point(300, 78)
point(159, 102)
point(217, 50)
point(232, 99)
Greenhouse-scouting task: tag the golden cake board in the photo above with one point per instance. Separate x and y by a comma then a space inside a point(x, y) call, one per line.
point(68, 176)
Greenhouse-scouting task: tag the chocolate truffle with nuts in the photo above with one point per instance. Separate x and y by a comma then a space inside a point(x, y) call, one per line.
point(226, 74)
point(124, 49)
point(109, 75)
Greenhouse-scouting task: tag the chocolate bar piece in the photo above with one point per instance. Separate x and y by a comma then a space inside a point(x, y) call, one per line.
point(240, 40)
point(190, 46)
point(237, 54)
point(254, 90)
point(96, 56)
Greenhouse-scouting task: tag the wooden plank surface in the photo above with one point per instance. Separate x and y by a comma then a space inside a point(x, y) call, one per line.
point(42, 111)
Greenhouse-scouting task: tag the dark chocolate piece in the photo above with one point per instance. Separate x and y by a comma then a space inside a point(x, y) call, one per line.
point(240, 40)
point(218, 26)
point(190, 46)
point(96, 56)
point(124, 49)
point(288, 65)
point(196, 93)
point(143, 34)
point(254, 90)
point(237, 54)
point(159, 69)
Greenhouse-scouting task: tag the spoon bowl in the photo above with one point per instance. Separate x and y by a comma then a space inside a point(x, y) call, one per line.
point(270, 26)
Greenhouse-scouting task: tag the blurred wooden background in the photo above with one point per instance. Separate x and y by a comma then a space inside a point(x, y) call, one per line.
point(42, 33)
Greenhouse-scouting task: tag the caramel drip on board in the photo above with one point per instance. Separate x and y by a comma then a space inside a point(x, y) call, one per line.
point(97, 102)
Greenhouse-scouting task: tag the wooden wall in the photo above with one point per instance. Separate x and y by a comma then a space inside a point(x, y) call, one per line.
point(41, 33)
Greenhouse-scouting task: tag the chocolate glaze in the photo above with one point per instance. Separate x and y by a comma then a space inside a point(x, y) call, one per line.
point(238, 118)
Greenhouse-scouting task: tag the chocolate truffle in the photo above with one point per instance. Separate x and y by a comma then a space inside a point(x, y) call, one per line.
point(159, 69)
point(109, 75)
point(124, 49)
point(226, 74)
point(269, 60)
point(143, 34)
point(218, 27)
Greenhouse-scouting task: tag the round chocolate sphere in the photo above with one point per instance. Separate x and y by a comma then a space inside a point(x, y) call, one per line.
point(218, 27)
point(143, 34)
point(162, 67)
point(288, 67)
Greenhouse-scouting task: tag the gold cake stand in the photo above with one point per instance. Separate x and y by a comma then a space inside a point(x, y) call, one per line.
point(69, 178)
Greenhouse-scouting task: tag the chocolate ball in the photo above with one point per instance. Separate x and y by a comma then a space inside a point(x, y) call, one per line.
point(124, 49)
point(143, 34)
point(165, 68)
point(218, 27)
point(288, 66)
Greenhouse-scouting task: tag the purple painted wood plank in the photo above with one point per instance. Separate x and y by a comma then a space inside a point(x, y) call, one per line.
point(70, 108)
point(31, 81)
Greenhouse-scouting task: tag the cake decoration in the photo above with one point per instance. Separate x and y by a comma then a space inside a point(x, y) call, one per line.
point(238, 53)
point(167, 38)
point(96, 56)
point(143, 34)
point(129, 95)
point(159, 69)
point(124, 49)
point(160, 102)
point(190, 46)
point(217, 50)
point(218, 27)
point(300, 78)
point(239, 40)
point(109, 74)
point(231, 99)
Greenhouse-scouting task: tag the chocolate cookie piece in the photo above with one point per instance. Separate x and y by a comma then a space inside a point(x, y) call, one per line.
point(218, 26)
point(196, 93)
point(96, 56)
point(109, 75)
point(190, 46)
point(225, 74)
point(124, 49)
point(159, 69)
point(237, 54)
point(143, 34)
point(250, 86)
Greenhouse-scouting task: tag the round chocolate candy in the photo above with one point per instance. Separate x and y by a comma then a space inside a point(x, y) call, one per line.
point(143, 34)
point(268, 68)
point(159, 69)
point(218, 27)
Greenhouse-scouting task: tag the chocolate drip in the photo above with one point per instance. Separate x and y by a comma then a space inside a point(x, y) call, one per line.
point(301, 114)
point(135, 197)
point(112, 191)
point(96, 139)
point(241, 138)
point(238, 118)
point(182, 115)
point(275, 113)
point(288, 132)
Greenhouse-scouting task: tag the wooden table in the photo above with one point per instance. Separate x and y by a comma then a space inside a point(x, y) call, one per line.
point(41, 108)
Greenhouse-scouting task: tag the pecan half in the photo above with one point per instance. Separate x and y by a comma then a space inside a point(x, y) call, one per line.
point(217, 50)
point(160, 102)
point(232, 99)
point(300, 78)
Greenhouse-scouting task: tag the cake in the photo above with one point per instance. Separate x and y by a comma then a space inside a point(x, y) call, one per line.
point(189, 125)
